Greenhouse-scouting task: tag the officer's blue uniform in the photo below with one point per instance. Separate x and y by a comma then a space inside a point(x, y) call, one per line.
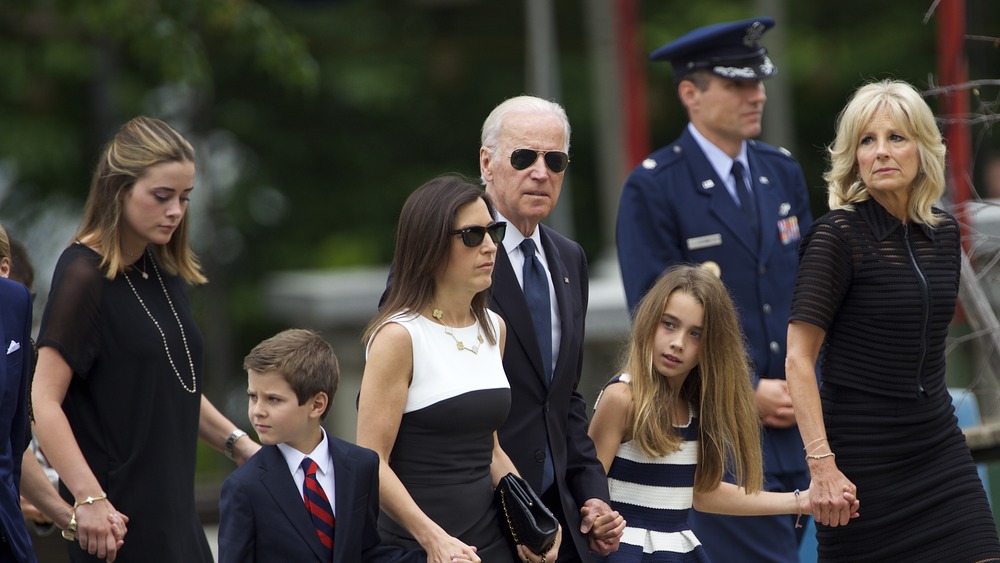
point(675, 209)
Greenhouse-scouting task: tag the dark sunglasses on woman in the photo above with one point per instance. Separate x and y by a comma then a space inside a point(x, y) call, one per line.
point(473, 236)
point(557, 161)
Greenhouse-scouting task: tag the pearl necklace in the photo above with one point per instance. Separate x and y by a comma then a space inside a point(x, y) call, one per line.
point(187, 351)
point(437, 314)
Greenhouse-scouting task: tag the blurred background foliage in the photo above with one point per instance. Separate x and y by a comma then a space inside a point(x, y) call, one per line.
point(314, 119)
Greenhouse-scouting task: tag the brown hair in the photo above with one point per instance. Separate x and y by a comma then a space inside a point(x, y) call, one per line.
point(718, 387)
point(423, 245)
point(139, 145)
point(303, 359)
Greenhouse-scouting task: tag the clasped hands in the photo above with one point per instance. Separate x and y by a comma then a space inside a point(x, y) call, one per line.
point(602, 526)
point(832, 496)
point(99, 528)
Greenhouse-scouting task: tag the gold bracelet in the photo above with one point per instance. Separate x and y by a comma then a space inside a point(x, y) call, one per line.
point(820, 456)
point(818, 448)
point(90, 500)
point(69, 534)
point(813, 442)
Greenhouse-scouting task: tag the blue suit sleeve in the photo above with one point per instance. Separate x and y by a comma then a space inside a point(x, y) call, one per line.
point(584, 473)
point(20, 432)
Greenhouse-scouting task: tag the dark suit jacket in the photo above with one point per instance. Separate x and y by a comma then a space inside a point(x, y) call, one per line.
point(15, 335)
point(263, 517)
point(555, 412)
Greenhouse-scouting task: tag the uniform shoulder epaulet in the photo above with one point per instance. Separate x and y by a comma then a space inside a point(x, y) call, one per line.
point(662, 158)
point(766, 148)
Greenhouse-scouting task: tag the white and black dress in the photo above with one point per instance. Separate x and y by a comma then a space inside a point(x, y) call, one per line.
point(443, 450)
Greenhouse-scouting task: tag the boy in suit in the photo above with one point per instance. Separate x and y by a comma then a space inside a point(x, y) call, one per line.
point(305, 496)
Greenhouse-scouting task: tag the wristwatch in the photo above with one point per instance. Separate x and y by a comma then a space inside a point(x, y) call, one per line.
point(231, 442)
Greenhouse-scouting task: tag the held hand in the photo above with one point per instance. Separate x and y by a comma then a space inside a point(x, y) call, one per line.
point(97, 530)
point(603, 526)
point(446, 549)
point(548, 557)
point(832, 496)
point(774, 403)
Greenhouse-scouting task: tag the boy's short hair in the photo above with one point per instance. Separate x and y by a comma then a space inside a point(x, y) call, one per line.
point(303, 358)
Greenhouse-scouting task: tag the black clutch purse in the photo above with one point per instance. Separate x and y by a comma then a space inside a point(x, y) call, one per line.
point(524, 520)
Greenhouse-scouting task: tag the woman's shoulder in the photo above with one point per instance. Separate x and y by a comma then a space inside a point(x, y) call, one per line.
point(79, 264)
point(838, 217)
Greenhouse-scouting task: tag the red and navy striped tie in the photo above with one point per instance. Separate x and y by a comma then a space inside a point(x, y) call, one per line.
point(318, 506)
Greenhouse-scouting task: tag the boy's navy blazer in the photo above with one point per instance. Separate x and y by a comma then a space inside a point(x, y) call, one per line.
point(15, 371)
point(263, 517)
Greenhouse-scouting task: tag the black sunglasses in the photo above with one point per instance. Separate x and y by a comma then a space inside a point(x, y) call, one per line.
point(557, 161)
point(473, 236)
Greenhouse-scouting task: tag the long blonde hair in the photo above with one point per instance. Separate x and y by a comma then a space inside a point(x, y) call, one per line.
point(905, 109)
point(718, 387)
point(139, 145)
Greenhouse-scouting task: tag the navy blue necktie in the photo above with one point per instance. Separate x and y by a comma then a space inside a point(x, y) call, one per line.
point(747, 203)
point(318, 506)
point(536, 293)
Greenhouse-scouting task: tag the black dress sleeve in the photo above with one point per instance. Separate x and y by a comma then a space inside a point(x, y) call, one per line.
point(70, 323)
point(825, 272)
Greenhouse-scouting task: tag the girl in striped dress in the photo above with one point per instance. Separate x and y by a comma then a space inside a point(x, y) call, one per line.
point(682, 406)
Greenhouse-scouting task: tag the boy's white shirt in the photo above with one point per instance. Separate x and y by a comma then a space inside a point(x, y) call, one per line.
point(324, 473)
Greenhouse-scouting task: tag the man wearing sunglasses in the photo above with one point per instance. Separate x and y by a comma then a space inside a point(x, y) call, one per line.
point(718, 198)
point(540, 288)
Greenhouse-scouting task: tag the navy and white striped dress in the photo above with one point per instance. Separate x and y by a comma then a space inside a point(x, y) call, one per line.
point(654, 495)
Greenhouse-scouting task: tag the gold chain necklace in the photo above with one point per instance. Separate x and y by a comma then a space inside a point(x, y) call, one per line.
point(194, 381)
point(437, 313)
point(142, 272)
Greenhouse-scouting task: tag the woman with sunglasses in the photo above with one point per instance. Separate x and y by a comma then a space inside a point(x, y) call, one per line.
point(434, 390)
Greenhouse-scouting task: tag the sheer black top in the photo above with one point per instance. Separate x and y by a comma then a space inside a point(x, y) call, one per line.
point(884, 292)
point(134, 420)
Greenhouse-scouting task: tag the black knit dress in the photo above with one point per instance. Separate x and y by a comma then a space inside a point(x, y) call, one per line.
point(885, 292)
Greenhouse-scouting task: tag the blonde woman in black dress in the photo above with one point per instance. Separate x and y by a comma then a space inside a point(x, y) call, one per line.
point(876, 289)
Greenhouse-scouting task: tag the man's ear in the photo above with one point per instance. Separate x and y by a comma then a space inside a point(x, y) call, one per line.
point(485, 159)
point(687, 91)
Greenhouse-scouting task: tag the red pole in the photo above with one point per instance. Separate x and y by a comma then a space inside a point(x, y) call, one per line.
point(953, 69)
point(632, 58)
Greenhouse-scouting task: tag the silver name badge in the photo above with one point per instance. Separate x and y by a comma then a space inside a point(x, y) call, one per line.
point(706, 241)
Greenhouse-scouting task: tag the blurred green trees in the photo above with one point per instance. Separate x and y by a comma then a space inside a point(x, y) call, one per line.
point(314, 119)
